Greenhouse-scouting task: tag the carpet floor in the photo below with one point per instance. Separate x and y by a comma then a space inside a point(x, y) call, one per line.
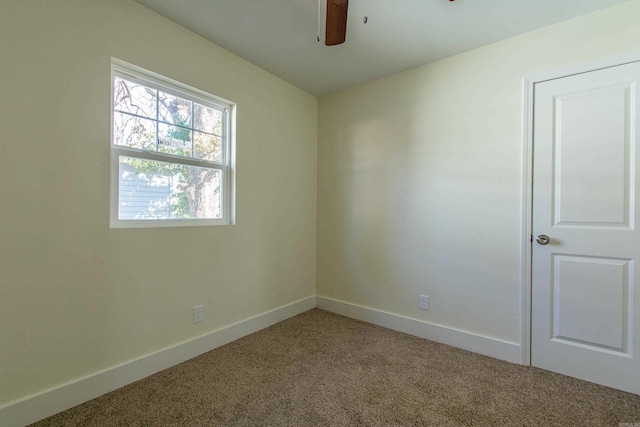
point(321, 369)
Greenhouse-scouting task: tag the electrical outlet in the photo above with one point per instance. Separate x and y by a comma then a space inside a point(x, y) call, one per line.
point(424, 302)
point(197, 314)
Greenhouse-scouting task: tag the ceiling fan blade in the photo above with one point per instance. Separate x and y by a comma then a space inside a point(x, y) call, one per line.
point(336, 30)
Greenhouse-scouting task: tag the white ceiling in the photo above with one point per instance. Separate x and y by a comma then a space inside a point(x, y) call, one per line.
point(280, 35)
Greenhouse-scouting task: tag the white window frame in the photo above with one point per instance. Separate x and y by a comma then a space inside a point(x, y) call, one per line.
point(226, 165)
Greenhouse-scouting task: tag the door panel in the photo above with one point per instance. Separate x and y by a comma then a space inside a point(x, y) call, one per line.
point(585, 320)
point(591, 156)
point(590, 301)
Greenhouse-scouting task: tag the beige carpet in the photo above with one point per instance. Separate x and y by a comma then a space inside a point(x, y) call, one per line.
point(322, 369)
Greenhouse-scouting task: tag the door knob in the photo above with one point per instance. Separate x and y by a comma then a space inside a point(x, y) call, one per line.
point(543, 239)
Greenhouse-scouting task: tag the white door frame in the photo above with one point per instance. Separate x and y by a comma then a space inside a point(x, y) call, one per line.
point(527, 181)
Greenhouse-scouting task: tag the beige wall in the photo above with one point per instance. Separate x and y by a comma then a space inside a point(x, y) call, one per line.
point(77, 297)
point(419, 182)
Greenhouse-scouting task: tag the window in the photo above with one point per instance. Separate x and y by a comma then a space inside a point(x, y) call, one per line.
point(171, 152)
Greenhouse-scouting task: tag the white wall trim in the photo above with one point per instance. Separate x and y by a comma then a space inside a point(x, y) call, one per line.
point(529, 83)
point(476, 343)
point(525, 217)
point(52, 401)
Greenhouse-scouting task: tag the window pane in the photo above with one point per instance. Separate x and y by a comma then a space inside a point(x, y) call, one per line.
point(207, 119)
point(207, 147)
point(174, 110)
point(157, 190)
point(132, 131)
point(174, 140)
point(134, 98)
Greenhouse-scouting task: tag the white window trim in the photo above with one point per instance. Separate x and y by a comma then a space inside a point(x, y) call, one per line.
point(227, 166)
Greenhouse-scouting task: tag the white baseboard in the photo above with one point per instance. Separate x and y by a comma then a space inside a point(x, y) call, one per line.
point(50, 402)
point(466, 340)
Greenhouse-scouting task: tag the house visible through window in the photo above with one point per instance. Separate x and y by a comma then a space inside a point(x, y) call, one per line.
point(170, 153)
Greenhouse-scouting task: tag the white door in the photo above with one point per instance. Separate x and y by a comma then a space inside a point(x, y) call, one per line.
point(586, 192)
